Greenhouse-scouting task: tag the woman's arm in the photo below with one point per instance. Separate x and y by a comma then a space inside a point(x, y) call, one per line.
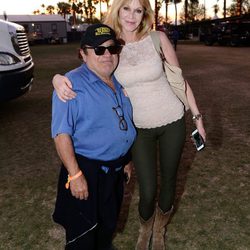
point(195, 111)
point(171, 58)
point(63, 87)
point(168, 50)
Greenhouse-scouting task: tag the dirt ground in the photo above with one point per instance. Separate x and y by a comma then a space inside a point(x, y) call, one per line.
point(220, 79)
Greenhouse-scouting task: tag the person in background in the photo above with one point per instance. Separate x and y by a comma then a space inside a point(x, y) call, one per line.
point(158, 114)
point(93, 134)
point(175, 37)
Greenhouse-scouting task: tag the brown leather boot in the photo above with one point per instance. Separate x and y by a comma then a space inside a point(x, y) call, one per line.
point(159, 229)
point(145, 233)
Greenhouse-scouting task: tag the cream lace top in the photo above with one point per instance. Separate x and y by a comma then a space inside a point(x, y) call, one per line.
point(141, 74)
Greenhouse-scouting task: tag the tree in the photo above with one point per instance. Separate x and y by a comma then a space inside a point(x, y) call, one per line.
point(73, 10)
point(36, 12)
point(192, 11)
point(63, 8)
point(175, 5)
point(216, 10)
point(224, 8)
point(166, 9)
point(50, 9)
point(239, 7)
point(89, 9)
point(100, 5)
point(43, 8)
point(158, 4)
point(186, 10)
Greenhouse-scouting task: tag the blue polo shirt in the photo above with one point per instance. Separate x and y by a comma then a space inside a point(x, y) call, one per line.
point(90, 119)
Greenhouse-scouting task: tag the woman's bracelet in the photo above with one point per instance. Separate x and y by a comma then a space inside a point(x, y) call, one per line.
point(71, 178)
point(197, 117)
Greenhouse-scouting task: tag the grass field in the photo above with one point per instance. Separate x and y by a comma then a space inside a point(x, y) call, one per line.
point(212, 202)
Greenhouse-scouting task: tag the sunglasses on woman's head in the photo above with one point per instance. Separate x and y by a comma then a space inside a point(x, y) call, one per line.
point(100, 50)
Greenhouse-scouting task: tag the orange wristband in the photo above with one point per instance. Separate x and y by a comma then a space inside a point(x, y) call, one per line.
point(71, 178)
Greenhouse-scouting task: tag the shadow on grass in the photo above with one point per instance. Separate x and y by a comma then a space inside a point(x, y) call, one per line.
point(128, 195)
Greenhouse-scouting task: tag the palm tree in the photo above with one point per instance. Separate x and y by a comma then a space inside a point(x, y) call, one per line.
point(36, 12)
point(158, 5)
point(239, 7)
point(100, 4)
point(89, 9)
point(73, 9)
point(225, 9)
point(157, 8)
point(216, 9)
point(175, 5)
point(50, 9)
point(43, 8)
point(166, 9)
point(63, 8)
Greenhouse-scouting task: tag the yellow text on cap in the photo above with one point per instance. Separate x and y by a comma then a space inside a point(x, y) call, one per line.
point(102, 31)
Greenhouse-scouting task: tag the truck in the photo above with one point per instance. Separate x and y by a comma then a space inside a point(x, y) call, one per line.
point(16, 63)
point(233, 31)
point(228, 33)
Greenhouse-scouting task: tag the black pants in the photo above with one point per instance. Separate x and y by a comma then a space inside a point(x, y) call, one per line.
point(90, 224)
point(170, 139)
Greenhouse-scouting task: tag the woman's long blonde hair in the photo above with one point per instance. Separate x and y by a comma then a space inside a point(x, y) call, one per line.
point(112, 18)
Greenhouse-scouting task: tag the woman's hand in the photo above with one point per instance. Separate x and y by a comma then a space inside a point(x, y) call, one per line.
point(63, 88)
point(128, 171)
point(201, 129)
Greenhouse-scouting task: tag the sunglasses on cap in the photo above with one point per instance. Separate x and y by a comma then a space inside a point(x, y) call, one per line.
point(100, 50)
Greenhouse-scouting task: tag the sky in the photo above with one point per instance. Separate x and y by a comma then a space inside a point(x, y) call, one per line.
point(28, 6)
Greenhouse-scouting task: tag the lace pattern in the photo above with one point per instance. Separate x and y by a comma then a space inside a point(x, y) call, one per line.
point(141, 74)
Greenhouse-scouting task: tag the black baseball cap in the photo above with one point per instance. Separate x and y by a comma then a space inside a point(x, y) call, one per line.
point(96, 34)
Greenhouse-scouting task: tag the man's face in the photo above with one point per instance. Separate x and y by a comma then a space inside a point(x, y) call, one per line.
point(102, 65)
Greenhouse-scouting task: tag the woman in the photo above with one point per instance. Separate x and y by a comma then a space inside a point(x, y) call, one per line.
point(157, 112)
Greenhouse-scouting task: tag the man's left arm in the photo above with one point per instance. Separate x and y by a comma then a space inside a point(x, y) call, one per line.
point(65, 150)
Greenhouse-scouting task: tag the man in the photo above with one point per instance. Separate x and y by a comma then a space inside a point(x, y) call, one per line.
point(93, 134)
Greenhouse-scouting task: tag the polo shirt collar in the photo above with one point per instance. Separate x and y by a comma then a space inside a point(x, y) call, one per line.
point(94, 78)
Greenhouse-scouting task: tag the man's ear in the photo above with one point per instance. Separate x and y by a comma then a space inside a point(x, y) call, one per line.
point(83, 55)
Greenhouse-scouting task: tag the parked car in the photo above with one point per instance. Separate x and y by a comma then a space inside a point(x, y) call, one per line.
point(228, 33)
point(16, 64)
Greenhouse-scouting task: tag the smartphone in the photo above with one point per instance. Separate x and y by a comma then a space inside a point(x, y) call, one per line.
point(199, 142)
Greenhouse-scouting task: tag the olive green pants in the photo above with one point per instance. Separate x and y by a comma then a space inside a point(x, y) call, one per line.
point(168, 141)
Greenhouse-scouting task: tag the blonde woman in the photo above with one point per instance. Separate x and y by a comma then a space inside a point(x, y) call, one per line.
point(158, 114)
